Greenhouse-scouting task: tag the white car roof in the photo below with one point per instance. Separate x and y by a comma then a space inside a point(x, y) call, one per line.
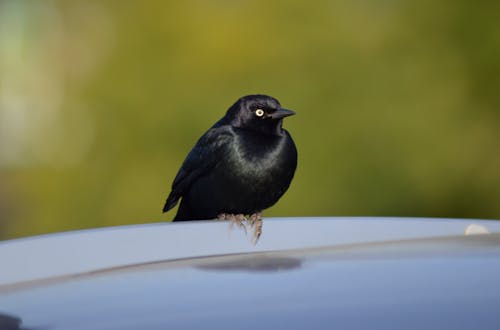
point(72, 253)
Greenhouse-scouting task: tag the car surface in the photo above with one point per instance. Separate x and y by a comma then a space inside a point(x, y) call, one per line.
point(304, 273)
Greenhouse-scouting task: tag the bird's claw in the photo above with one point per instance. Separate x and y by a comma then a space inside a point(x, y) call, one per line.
point(238, 219)
point(253, 221)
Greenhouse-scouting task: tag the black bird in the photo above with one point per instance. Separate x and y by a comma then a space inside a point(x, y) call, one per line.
point(242, 165)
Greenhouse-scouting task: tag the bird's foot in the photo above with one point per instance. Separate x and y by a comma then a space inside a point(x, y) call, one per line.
point(234, 219)
point(255, 221)
point(222, 216)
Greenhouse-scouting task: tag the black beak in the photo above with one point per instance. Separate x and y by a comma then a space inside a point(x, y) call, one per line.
point(282, 113)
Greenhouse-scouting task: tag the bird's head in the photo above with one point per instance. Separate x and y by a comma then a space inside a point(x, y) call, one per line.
point(258, 112)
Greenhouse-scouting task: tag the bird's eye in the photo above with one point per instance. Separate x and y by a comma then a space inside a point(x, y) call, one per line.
point(259, 112)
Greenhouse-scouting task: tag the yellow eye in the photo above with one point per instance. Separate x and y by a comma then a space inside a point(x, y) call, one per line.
point(259, 112)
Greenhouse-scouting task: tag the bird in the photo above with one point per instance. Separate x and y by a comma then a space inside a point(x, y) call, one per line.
point(241, 166)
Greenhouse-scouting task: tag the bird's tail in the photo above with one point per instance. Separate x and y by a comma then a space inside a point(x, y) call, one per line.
point(171, 202)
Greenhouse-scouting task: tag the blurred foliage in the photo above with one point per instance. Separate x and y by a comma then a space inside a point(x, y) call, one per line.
point(398, 104)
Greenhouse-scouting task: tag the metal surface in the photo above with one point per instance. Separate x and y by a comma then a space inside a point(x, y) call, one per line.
point(431, 283)
point(71, 253)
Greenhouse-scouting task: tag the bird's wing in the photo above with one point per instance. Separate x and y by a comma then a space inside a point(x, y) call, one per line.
point(203, 157)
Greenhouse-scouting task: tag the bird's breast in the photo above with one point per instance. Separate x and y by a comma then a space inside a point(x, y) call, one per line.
point(263, 161)
point(251, 175)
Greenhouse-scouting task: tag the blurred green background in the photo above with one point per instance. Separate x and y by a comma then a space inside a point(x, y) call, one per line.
point(398, 104)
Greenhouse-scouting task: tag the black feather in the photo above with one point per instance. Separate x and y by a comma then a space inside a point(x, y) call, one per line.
point(242, 165)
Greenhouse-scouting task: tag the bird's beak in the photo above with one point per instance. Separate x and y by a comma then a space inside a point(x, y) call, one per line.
point(282, 113)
